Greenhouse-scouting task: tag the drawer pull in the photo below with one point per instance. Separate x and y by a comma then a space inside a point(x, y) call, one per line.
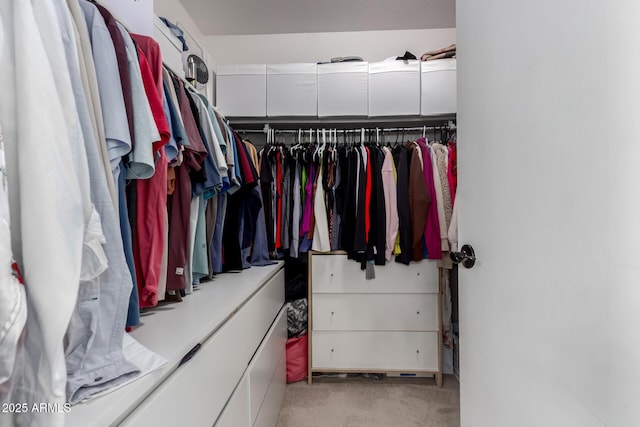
point(331, 350)
point(417, 351)
point(332, 313)
point(190, 354)
point(417, 312)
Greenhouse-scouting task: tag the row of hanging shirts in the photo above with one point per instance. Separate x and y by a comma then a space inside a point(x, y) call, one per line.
point(325, 195)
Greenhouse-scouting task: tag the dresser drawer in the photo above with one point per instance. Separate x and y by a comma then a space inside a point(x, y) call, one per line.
point(236, 413)
point(265, 362)
point(196, 392)
point(405, 351)
point(375, 312)
point(337, 274)
point(270, 409)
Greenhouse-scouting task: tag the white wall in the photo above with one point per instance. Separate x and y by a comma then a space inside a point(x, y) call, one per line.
point(137, 15)
point(548, 118)
point(372, 46)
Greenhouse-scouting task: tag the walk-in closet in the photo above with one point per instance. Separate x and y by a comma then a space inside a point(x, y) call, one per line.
point(319, 213)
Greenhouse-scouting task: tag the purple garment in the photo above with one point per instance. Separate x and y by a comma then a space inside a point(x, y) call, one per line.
point(432, 228)
point(306, 213)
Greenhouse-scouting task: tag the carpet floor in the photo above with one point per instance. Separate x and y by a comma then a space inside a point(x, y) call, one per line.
point(364, 402)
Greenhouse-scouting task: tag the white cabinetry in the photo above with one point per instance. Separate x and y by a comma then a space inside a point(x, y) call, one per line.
point(235, 378)
point(389, 324)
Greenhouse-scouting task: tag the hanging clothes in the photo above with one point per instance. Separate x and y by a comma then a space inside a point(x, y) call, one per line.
point(152, 192)
point(391, 202)
point(115, 118)
point(13, 304)
point(40, 178)
point(321, 242)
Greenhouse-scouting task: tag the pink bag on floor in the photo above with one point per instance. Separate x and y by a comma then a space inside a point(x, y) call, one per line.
point(297, 364)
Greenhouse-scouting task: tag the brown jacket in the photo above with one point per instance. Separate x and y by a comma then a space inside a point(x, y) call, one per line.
point(419, 200)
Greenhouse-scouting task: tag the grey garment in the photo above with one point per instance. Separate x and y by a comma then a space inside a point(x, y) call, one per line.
point(191, 240)
point(260, 253)
point(111, 98)
point(218, 144)
point(215, 252)
point(94, 303)
point(200, 264)
point(286, 205)
point(234, 179)
point(95, 335)
point(297, 317)
point(441, 161)
point(217, 159)
point(211, 213)
point(447, 310)
point(296, 212)
point(336, 218)
point(224, 137)
point(145, 132)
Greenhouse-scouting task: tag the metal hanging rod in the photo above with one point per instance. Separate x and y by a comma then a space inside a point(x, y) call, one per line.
point(449, 126)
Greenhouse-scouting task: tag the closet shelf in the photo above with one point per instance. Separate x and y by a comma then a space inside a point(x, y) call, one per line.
point(257, 123)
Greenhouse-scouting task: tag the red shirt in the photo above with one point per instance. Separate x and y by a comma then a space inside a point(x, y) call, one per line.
point(151, 201)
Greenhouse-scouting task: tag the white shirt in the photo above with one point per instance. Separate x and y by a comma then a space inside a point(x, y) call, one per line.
point(45, 202)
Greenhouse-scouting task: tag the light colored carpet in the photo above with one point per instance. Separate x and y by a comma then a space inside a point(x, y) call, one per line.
point(363, 402)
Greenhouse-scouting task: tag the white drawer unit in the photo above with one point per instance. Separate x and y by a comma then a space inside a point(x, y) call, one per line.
point(234, 332)
point(211, 375)
point(391, 323)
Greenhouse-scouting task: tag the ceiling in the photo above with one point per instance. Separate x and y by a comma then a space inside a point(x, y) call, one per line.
point(237, 17)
